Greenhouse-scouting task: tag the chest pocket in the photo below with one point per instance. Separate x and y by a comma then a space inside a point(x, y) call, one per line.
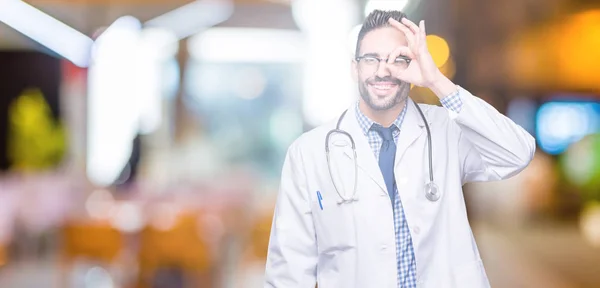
point(334, 224)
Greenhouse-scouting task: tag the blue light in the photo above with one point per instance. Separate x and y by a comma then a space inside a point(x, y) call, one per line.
point(559, 124)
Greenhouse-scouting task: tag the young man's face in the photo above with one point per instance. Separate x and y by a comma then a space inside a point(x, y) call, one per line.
point(378, 86)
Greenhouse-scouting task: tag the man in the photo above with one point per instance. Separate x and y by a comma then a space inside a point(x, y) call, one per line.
point(391, 232)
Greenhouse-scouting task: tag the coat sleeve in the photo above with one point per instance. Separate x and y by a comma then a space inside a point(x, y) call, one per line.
point(292, 252)
point(491, 146)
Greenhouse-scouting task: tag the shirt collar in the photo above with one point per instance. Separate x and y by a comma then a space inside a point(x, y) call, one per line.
point(365, 122)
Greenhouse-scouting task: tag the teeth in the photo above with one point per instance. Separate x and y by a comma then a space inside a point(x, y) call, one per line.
point(383, 87)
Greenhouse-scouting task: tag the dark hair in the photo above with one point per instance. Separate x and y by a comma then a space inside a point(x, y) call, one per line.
point(377, 19)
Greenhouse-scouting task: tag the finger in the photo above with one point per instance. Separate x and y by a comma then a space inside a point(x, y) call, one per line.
point(395, 23)
point(413, 27)
point(410, 36)
point(402, 50)
point(411, 39)
point(422, 34)
point(400, 26)
point(404, 76)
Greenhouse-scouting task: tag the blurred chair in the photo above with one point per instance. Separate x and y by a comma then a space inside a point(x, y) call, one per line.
point(98, 241)
point(3, 256)
point(259, 237)
point(178, 253)
point(93, 241)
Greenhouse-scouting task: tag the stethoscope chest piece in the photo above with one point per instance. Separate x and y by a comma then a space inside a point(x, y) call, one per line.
point(432, 192)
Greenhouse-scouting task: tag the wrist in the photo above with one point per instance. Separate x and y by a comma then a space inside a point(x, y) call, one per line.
point(442, 86)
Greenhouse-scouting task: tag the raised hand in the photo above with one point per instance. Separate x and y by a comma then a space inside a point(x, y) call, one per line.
point(421, 71)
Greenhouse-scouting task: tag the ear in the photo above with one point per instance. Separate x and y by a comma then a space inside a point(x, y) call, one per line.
point(354, 70)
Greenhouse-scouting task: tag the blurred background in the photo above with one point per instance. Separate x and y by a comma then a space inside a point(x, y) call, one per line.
point(141, 142)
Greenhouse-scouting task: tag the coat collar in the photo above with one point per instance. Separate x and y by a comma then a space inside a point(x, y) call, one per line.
point(412, 128)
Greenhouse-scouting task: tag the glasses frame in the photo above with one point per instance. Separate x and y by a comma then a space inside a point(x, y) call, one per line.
point(379, 60)
point(358, 58)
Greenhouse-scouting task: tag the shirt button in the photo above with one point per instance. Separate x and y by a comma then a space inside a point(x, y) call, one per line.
point(416, 230)
point(384, 247)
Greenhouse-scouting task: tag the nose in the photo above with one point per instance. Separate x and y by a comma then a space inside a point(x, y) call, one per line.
point(382, 70)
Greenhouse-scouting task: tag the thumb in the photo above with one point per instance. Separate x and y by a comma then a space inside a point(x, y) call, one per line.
point(407, 75)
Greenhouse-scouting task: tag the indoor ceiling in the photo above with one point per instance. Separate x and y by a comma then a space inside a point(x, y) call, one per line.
point(89, 15)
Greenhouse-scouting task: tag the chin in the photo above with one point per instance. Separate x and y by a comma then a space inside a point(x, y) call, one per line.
point(377, 102)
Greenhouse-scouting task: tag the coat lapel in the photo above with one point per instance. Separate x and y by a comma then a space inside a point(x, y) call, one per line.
point(364, 154)
point(412, 127)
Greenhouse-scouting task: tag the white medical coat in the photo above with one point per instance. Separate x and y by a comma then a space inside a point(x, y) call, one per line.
point(353, 244)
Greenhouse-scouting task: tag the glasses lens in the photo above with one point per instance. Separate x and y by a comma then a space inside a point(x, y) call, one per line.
point(400, 64)
point(368, 65)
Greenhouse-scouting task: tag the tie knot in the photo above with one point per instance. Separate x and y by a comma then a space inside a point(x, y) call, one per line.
point(385, 133)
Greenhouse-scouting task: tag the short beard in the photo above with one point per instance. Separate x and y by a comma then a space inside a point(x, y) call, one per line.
point(400, 96)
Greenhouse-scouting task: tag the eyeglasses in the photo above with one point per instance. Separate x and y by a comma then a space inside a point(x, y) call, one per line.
point(370, 64)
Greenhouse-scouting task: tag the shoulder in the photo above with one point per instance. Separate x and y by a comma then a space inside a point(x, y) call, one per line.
point(312, 141)
point(436, 115)
point(313, 138)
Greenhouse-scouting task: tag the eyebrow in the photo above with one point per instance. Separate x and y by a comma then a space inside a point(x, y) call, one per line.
point(370, 55)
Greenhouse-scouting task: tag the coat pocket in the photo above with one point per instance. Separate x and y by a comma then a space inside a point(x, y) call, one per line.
point(334, 226)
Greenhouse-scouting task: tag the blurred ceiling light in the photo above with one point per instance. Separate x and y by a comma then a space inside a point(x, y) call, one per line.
point(124, 23)
point(439, 49)
point(46, 30)
point(121, 30)
point(385, 5)
point(247, 45)
point(162, 42)
point(193, 17)
point(328, 87)
point(113, 117)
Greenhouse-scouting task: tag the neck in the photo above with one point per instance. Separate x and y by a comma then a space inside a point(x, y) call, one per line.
point(384, 118)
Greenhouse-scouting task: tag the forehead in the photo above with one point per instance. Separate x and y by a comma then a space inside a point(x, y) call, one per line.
point(382, 41)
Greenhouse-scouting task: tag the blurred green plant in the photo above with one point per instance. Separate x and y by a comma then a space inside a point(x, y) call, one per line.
point(581, 166)
point(36, 141)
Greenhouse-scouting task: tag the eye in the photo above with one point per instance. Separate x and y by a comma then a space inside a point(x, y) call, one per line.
point(370, 60)
point(402, 60)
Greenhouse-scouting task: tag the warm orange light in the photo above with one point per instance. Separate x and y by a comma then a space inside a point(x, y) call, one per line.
point(562, 55)
point(439, 49)
point(449, 68)
point(576, 44)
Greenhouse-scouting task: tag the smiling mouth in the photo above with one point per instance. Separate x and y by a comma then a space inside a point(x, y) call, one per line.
point(383, 86)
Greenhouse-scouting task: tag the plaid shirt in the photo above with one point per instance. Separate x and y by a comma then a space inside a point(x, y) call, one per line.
point(406, 265)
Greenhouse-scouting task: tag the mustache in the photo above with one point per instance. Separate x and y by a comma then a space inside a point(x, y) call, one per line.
point(377, 79)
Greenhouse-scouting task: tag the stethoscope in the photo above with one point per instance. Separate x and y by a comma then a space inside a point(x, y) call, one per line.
point(431, 189)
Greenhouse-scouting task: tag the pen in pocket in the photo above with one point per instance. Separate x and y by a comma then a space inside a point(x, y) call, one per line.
point(320, 198)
